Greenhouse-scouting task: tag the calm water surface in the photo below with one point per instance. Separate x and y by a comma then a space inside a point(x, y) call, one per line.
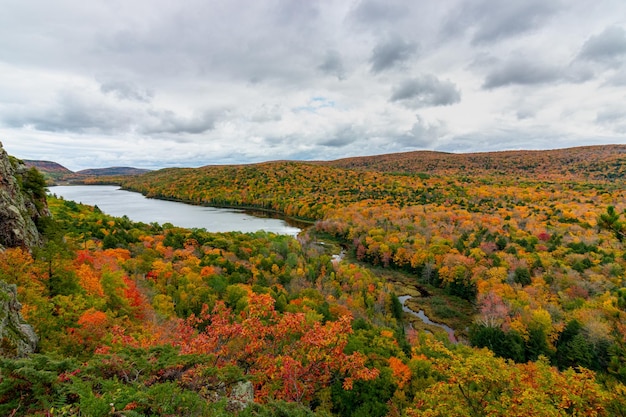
point(116, 202)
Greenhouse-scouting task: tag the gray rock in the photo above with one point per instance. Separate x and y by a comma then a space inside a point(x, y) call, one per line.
point(241, 395)
point(17, 338)
point(19, 209)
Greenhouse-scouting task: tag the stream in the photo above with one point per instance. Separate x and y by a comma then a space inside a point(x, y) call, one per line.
point(422, 316)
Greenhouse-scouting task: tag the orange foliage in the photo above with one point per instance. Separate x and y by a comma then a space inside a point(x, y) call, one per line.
point(401, 372)
point(89, 280)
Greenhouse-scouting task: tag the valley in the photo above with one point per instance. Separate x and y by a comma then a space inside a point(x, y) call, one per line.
point(516, 260)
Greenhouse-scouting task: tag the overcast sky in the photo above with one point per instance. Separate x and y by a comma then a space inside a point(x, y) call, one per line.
point(157, 83)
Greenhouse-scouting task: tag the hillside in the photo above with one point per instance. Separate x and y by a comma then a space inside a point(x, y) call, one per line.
point(52, 171)
point(55, 173)
point(100, 172)
point(47, 167)
point(606, 162)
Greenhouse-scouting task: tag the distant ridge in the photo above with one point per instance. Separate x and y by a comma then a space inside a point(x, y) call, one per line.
point(56, 173)
point(47, 166)
point(602, 162)
point(99, 172)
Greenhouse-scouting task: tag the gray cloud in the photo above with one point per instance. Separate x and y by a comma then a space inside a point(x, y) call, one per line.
point(84, 114)
point(390, 53)
point(71, 112)
point(426, 91)
point(525, 113)
point(495, 20)
point(344, 136)
point(619, 78)
point(166, 121)
point(333, 65)
point(126, 91)
point(611, 116)
point(608, 46)
point(374, 12)
point(521, 72)
point(421, 135)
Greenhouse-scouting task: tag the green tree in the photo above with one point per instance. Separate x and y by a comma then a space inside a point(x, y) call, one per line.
point(610, 221)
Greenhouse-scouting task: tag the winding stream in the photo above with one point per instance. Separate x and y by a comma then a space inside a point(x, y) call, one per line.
point(422, 316)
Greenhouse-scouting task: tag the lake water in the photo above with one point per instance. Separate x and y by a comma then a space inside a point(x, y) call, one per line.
point(117, 202)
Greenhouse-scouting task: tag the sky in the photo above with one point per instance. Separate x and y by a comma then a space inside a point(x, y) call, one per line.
point(161, 83)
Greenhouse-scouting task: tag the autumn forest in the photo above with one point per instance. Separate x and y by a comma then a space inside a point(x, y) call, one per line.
point(522, 254)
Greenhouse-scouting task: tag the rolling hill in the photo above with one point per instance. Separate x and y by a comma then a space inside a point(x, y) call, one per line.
point(605, 162)
point(54, 172)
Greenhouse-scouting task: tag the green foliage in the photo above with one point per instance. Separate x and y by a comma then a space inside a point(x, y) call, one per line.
point(611, 221)
point(396, 307)
point(522, 276)
point(508, 345)
point(34, 183)
point(368, 398)
point(34, 383)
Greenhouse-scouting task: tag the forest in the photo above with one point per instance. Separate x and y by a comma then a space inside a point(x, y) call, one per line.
point(528, 269)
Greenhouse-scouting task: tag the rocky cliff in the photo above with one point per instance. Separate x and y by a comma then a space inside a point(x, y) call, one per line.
point(22, 203)
point(22, 207)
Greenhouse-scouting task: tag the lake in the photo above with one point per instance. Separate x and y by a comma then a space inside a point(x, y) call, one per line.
point(117, 202)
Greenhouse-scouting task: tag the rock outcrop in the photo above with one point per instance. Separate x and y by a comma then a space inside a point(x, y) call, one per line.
point(22, 206)
point(22, 203)
point(17, 338)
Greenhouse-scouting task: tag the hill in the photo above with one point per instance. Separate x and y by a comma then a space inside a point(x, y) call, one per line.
point(605, 162)
point(54, 172)
point(100, 172)
point(47, 166)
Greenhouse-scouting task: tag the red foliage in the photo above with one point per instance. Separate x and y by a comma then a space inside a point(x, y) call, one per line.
point(288, 356)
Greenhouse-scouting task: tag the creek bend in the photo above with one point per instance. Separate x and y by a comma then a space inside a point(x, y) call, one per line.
point(114, 201)
point(422, 316)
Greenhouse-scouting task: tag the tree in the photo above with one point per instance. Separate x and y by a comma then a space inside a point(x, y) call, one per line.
point(610, 221)
point(288, 356)
point(475, 383)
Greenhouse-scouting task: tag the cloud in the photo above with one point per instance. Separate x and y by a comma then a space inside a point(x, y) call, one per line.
point(72, 112)
point(126, 91)
point(390, 53)
point(521, 72)
point(619, 78)
point(426, 91)
point(609, 46)
point(421, 135)
point(376, 12)
point(333, 65)
point(494, 20)
point(611, 116)
point(88, 113)
point(166, 121)
point(343, 136)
